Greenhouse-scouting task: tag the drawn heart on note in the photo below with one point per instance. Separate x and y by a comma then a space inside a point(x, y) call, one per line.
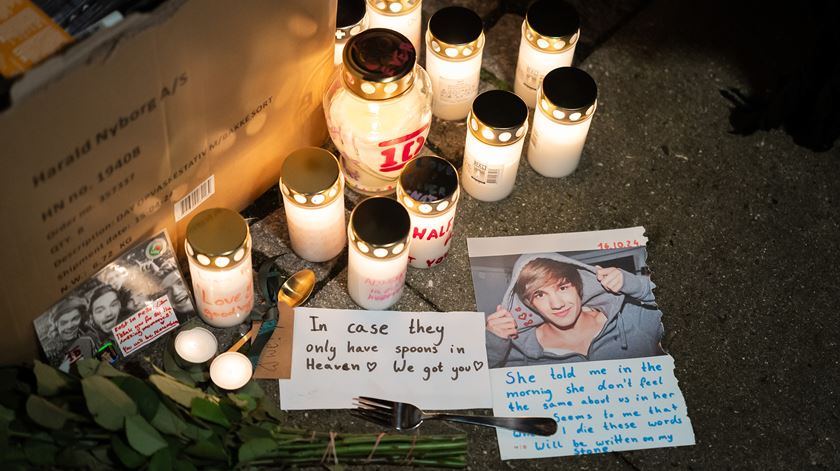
point(478, 365)
point(519, 309)
point(371, 365)
point(529, 322)
point(523, 315)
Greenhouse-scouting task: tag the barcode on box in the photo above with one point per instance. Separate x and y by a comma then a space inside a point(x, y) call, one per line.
point(199, 195)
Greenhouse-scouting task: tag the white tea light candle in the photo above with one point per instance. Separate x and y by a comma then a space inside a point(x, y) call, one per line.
point(378, 109)
point(549, 35)
point(218, 246)
point(567, 102)
point(496, 129)
point(350, 20)
point(403, 16)
point(428, 188)
point(378, 252)
point(231, 370)
point(313, 199)
point(454, 44)
point(196, 345)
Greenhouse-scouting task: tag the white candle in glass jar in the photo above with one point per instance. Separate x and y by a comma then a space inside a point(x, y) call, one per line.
point(403, 16)
point(549, 35)
point(567, 102)
point(231, 370)
point(218, 246)
point(196, 345)
point(378, 252)
point(454, 45)
point(378, 110)
point(350, 20)
point(313, 199)
point(428, 188)
point(496, 129)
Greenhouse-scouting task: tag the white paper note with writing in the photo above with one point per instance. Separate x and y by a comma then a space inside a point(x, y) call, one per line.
point(431, 359)
point(599, 406)
point(146, 325)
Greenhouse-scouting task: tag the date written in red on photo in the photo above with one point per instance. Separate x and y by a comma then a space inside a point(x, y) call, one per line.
point(618, 244)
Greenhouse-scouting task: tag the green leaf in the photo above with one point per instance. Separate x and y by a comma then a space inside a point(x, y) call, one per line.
point(253, 389)
point(102, 454)
point(173, 369)
point(142, 436)
point(183, 465)
point(40, 453)
point(52, 381)
point(162, 460)
point(86, 367)
point(257, 448)
point(175, 390)
point(168, 422)
point(250, 432)
point(141, 393)
point(77, 458)
point(107, 370)
point(6, 416)
point(108, 404)
point(210, 449)
point(209, 411)
point(243, 401)
point(126, 454)
point(48, 415)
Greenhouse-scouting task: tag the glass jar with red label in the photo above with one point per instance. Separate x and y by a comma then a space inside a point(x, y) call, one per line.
point(378, 109)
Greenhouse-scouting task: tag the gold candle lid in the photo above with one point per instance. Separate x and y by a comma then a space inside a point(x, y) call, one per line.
point(394, 7)
point(455, 33)
point(552, 26)
point(380, 228)
point(217, 238)
point(428, 185)
point(378, 64)
point(350, 18)
point(498, 118)
point(310, 177)
point(568, 95)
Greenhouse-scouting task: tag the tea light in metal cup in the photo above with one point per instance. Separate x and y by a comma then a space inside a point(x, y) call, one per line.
point(378, 252)
point(403, 16)
point(428, 188)
point(196, 345)
point(549, 35)
point(313, 198)
point(231, 370)
point(454, 44)
point(567, 102)
point(350, 20)
point(218, 246)
point(496, 127)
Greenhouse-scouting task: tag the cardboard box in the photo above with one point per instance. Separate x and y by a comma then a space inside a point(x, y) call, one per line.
point(190, 107)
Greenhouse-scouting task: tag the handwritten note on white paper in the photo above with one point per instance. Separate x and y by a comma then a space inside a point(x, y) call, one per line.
point(146, 325)
point(599, 406)
point(432, 359)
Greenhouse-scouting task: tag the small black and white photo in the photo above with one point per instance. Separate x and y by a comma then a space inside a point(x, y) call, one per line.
point(570, 306)
point(82, 322)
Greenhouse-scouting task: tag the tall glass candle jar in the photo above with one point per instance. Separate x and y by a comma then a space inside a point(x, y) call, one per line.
point(496, 127)
point(218, 246)
point(350, 20)
point(567, 101)
point(428, 188)
point(549, 36)
point(403, 16)
point(454, 44)
point(313, 198)
point(378, 109)
point(378, 252)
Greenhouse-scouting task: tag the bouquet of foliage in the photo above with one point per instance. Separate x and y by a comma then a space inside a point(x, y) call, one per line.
point(103, 418)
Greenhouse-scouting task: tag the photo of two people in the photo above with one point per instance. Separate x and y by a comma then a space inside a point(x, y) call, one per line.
point(553, 307)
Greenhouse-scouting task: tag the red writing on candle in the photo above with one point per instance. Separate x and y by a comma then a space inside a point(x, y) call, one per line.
point(385, 289)
point(225, 306)
point(407, 147)
point(425, 233)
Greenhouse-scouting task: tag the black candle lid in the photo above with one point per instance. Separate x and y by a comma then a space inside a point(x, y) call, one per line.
point(379, 64)
point(455, 25)
point(551, 25)
point(498, 117)
point(380, 227)
point(568, 95)
point(428, 185)
point(350, 13)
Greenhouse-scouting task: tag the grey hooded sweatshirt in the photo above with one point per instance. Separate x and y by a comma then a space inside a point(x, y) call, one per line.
point(633, 328)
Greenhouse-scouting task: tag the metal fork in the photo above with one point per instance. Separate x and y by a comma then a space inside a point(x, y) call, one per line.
point(405, 416)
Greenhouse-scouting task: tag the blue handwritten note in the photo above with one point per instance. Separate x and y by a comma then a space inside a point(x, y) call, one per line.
point(146, 325)
point(599, 406)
